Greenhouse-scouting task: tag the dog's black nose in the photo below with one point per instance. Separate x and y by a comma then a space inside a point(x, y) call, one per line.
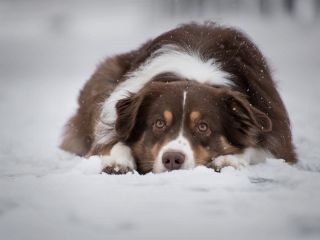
point(173, 160)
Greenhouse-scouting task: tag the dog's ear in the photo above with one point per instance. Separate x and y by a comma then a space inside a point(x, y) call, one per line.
point(247, 122)
point(127, 111)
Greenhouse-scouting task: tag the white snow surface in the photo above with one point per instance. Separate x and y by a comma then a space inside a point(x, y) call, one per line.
point(46, 193)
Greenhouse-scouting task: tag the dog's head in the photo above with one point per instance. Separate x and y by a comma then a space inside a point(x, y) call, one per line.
point(173, 123)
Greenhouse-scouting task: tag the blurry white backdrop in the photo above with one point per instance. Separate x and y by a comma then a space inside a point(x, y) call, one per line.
point(48, 49)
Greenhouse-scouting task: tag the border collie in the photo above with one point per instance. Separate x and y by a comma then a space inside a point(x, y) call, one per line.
point(200, 94)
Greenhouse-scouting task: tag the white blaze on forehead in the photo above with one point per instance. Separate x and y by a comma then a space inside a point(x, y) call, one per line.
point(180, 144)
point(169, 58)
point(183, 109)
point(184, 99)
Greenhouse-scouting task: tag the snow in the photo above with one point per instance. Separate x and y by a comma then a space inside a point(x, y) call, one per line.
point(45, 193)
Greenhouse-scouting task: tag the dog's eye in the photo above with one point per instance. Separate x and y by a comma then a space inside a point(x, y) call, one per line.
point(160, 124)
point(203, 127)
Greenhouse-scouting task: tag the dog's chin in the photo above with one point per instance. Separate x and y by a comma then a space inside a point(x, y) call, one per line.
point(161, 169)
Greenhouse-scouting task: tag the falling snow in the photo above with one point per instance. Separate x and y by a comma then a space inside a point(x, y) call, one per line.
point(49, 194)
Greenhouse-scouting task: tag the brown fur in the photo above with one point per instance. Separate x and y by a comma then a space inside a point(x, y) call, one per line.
point(168, 117)
point(202, 155)
point(194, 116)
point(227, 147)
point(249, 114)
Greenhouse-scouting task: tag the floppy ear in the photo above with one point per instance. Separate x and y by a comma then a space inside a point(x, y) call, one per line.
point(247, 122)
point(127, 111)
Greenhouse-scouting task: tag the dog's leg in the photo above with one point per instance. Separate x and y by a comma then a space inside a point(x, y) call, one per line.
point(119, 161)
point(238, 161)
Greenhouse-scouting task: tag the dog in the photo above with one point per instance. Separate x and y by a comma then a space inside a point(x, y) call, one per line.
point(200, 94)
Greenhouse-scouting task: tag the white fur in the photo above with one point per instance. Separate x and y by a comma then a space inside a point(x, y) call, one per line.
point(184, 100)
point(180, 144)
point(167, 59)
point(249, 156)
point(120, 158)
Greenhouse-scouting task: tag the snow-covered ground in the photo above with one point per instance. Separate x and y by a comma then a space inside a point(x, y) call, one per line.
point(48, 52)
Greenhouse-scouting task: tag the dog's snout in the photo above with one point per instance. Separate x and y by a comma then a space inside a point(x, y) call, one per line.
point(173, 160)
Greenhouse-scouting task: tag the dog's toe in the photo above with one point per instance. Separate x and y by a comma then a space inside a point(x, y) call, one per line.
point(116, 169)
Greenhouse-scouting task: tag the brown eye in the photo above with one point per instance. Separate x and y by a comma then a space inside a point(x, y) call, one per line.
point(203, 127)
point(160, 124)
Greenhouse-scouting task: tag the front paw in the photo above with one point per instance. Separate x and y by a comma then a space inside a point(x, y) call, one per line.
point(116, 169)
point(228, 161)
point(114, 164)
point(119, 161)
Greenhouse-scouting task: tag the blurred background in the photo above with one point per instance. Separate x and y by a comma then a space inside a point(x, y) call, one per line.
point(48, 49)
point(70, 37)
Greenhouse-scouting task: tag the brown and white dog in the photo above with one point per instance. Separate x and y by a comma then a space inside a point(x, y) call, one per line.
point(196, 95)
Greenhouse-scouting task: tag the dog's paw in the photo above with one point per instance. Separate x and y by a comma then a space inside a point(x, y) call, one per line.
point(112, 165)
point(120, 161)
point(116, 169)
point(228, 161)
